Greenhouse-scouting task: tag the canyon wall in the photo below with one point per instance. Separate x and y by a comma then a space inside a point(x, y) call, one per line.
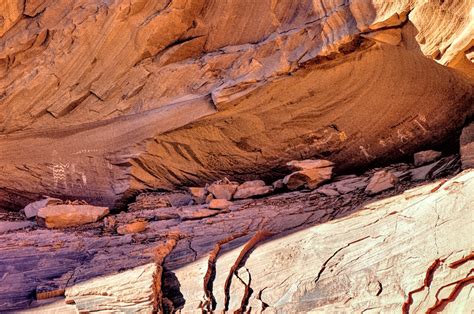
point(101, 99)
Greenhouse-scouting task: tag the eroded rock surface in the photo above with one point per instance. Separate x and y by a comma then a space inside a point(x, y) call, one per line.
point(391, 256)
point(102, 99)
point(289, 252)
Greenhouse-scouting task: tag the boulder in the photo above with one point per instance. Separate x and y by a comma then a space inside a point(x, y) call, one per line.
point(278, 185)
point(220, 204)
point(467, 147)
point(209, 198)
point(381, 180)
point(350, 185)
point(134, 227)
point(423, 172)
point(199, 194)
point(31, 210)
point(252, 188)
point(425, 157)
point(327, 191)
point(308, 177)
point(63, 216)
point(309, 164)
point(223, 189)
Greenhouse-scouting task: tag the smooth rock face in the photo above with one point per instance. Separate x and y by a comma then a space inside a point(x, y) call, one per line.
point(381, 181)
point(128, 291)
point(63, 216)
point(467, 147)
point(31, 210)
point(426, 157)
point(252, 188)
point(367, 256)
point(179, 93)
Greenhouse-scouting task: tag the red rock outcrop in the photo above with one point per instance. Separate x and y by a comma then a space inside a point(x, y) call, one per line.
point(99, 99)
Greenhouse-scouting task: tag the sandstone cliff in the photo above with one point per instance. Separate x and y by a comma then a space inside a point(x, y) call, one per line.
point(100, 99)
point(200, 156)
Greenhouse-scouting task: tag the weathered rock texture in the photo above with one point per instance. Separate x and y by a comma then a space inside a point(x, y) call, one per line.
point(393, 256)
point(397, 254)
point(99, 99)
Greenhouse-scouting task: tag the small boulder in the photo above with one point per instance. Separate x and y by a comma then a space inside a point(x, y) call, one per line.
point(327, 191)
point(381, 181)
point(350, 185)
point(31, 210)
point(224, 189)
point(209, 198)
point(310, 178)
point(423, 173)
point(467, 147)
point(220, 204)
point(63, 216)
point(199, 194)
point(425, 157)
point(309, 164)
point(278, 185)
point(252, 188)
point(251, 184)
point(134, 227)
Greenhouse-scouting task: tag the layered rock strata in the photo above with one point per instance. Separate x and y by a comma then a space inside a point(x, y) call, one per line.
point(293, 252)
point(102, 99)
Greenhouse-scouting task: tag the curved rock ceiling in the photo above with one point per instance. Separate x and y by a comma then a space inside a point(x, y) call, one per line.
point(99, 99)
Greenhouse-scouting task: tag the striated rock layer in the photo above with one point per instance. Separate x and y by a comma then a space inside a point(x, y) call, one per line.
point(99, 99)
point(294, 252)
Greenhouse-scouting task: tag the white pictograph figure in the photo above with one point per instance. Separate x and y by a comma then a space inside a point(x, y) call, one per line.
point(59, 169)
point(59, 173)
point(365, 151)
point(402, 137)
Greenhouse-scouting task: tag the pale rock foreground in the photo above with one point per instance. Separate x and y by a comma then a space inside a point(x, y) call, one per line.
point(395, 255)
point(374, 260)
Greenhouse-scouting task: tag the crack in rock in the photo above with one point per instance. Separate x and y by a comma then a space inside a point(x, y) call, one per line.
point(210, 303)
point(323, 267)
point(240, 262)
point(161, 252)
